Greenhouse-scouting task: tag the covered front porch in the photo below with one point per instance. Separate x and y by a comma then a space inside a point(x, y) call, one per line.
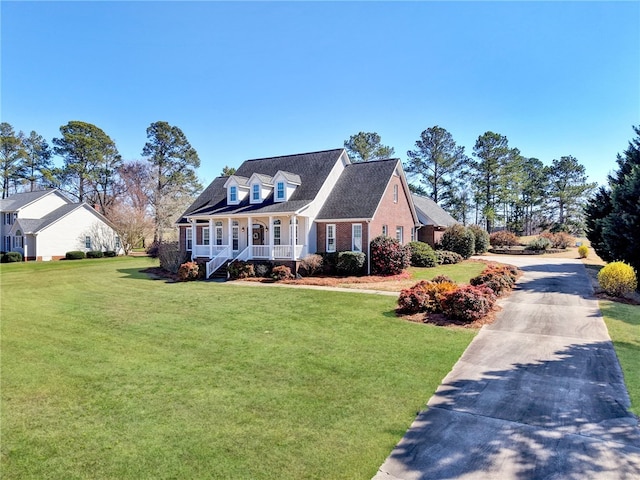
point(247, 238)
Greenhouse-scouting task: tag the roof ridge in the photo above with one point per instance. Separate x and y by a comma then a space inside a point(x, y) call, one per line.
point(294, 154)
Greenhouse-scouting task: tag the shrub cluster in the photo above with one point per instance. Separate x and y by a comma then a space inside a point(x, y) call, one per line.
point(583, 251)
point(388, 257)
point(458, 238)
point(74, 255)
point(281, 272)
point(442, 279)
point(311, 265)
point(560, 240)
point(11, 257)
point(422, 255)
point(445, 257)
point(424, 296)
point(350, 263)
point(240, 269)
point(188, 271)
point(617, 278)
point(468, 303)
point(482, 239)
point(110, 253)
point(263, 270)
point(95, 254)
point(498, 278)
point(503, 238)
point(170, 256)
point(538, 244)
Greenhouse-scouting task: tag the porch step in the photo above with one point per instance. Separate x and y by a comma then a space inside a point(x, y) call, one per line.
point(221, 273)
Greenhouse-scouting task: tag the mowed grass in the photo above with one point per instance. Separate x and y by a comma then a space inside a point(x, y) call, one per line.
point(623, 323)
point(460, 272)
point(108, 374)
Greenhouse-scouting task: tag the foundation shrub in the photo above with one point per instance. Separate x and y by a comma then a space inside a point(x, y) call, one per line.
point(330, 263)
point(503, 239)
point(110, 253)
point(458, 238)
point(445, 257)
point(188, 271)
point(422, 255)
point(468, 303)
point(388, 257)
point(498, 278)
point(281, 272)
point(11, 257)
point(481, 239)
point(350, 263)
point(75, 255)
point(617, 279)
point(263, 270)
point(240, 269)
point(311, 265)
point(424, 296)
point(95, 254)
point(583, 251)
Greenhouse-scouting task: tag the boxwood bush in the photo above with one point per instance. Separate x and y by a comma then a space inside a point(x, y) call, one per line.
point(458, 238)
point(11, 257)
point(95, 254)
point(350, 263)
point(422, 255)
point(74, 255)
point(445, 257)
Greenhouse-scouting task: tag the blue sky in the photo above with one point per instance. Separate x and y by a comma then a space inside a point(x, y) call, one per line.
point(255, 79)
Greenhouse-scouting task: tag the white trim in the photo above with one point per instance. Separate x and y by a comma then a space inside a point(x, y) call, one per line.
point(331, 226)
point(354, 227)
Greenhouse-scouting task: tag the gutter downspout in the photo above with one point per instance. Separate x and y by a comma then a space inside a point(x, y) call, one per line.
point(368, 247)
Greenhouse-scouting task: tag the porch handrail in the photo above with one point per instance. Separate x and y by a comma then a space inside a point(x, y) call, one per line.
point(216, 262)
point(244, 254)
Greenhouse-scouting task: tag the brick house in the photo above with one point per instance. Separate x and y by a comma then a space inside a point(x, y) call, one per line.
point(433, 218)
point(283, 208)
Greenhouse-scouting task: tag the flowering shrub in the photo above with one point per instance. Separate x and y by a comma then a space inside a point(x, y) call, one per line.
point(388, 257)
point(468, 303)
point(311, 264)
point(482, 239)
point(503, 239)
point(445, 257)
point(422, 255)
point(188, 271)
point(458, 238)
point(350, 263)
point(240, 269)
point(617, 278)
point(424, 296)
point(281, 272)
point(583, 251)
point(499, 278)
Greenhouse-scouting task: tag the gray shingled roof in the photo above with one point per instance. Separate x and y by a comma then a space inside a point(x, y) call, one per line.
point(430, 213)
point(35, 225)
point(359, 190)
point(311, 168)
point(19, 200)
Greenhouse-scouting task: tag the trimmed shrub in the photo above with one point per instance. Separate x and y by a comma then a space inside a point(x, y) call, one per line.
point(350, 263)
point(503, 239)
point(262, 270)
point(617, 279)
point(468, 303)
point(482, 239)
point(458, 238)
point(110, 253)
point(424, 296)
point(170, 256)
point(388, 257)
point(539, 244)
point(240, 269)
point(11, 257)
point(311, 264)
point(422, 255)
point(188, 271)
point(442, 279)
point(583, 251)
point(329, 263)
point(445, 257)
point(499, 278)
point(281, 272)
point(95, 254)
point(74, 255)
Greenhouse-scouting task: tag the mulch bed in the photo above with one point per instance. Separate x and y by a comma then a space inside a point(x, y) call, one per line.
point(158, 273)
point(441, 320)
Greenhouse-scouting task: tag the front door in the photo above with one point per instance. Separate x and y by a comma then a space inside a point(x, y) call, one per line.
point(258, 234)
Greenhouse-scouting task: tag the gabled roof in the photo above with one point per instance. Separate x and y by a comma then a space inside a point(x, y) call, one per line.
point(359, 190)
point(430, 213)
point(36, 225)
point(312, 170)
point(264, 179)
point(20, 200)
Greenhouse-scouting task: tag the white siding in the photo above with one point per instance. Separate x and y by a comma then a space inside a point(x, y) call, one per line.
point(43, 206)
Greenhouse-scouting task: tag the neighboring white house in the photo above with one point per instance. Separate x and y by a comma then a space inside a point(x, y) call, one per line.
point(44, 225)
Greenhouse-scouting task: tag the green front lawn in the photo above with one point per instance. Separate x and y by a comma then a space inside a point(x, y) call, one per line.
point(107, 374)
point(460, 272)
point(623, 323)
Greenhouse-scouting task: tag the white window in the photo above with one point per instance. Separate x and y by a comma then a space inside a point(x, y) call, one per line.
point(233, 193)
point(395, 194)
point(280, 191)
point(18, 240)
point(413, 234)
point(206, 236)
point(117, 244)
point(235, 235)
point(399, 234)
point(331, 238)
point(189, 238)
point(385, 230)
point(356, 237)
point(277, 232)
point(218, 233)
point(256, 191)
point(87, 242)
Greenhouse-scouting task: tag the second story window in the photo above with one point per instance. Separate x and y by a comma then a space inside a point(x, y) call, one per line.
point(233, 193)
point(280, 191)
point(256, 191)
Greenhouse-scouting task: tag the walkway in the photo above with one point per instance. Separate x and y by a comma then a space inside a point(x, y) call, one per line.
point(537, 395)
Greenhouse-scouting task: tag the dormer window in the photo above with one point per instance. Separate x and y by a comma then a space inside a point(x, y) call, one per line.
point(285, 184)
point(255, 192)
point(261, 187)
point(280, 191)
point(233, 193)
point(237, 189)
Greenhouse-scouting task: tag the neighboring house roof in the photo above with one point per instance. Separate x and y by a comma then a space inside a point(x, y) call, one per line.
point(20, 200)
point(359, 190)
point(36, 225)
point(310, 170)
point(430, 213)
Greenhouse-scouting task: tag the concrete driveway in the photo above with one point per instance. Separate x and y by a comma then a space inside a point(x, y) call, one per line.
point(539, 394)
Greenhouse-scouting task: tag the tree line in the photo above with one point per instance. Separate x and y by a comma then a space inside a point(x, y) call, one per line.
point(139, 197)
point(496, 186)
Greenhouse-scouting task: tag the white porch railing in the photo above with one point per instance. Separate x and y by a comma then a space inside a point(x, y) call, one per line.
point(216, 262)
point(244, 254)
point(205, 250)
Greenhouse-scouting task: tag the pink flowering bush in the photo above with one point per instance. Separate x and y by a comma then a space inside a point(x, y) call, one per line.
point(468, 303)
point(388, 257)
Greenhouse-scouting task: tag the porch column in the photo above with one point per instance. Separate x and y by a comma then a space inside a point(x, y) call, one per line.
point(211, 237)
point(271, 245)
point(293, 237)
point(193, 239)
point(230, 236)
point(250, 236)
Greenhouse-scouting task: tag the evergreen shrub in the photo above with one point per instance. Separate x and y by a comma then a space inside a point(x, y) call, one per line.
point(95, 254)
point(350, 263)
point(445, 257)
point(617, 279)
point(388, 257)
point(583, 251)
point(74, 255)
point(468, 303)
point(240, 269)
point(481, 239)
point(458, 238)
point(11, 257)
point(422, 255)
point(538, 244)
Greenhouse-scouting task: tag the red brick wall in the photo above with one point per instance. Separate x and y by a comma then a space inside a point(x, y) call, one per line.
point(393, 214)
point(344, 242)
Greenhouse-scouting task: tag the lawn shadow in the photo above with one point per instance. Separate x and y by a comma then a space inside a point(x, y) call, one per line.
point(562, 418)
point(144, 274)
